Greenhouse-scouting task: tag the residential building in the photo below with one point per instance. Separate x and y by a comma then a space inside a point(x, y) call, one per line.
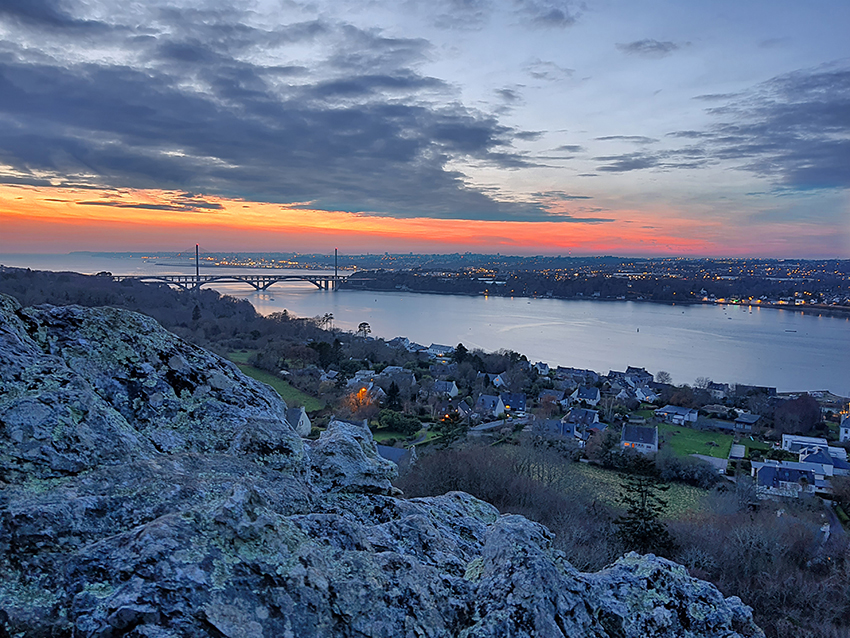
point(589, 395)
point(639, 438)
point(513, 402)
point(677, 415)
point(844, 428)
point(489, 405)
point(746, 421)
point(447, 388)
point(780, 479)
point(298, 419)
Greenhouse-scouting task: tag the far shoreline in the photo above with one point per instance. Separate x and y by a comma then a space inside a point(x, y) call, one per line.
point(838, 312)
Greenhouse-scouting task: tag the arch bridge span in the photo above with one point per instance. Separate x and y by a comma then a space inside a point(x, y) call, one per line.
point(258, 282)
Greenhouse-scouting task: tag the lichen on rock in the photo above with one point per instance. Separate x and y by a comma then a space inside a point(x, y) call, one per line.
point(148, 489)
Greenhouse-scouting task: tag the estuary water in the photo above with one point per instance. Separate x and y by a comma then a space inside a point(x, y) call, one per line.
point(782, 348)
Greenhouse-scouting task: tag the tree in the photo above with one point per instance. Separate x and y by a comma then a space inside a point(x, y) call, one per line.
point(641, 529)
point(663, 376)
point(364, 329)
point(702, 383)
point(450, 428)
point(460, 353)
point(393, 400)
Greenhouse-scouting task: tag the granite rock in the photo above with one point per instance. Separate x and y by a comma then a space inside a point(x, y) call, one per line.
point(148, 489)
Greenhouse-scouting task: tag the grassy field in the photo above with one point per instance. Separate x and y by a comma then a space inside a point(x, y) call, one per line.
point(685, 441)
point(293, 396)
point(240, 356)
point(605, 485)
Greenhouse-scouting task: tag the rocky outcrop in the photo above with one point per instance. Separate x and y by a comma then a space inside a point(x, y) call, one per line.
point(150, 490)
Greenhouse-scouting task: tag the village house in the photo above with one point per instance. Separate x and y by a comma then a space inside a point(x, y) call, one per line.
point(553, 395)
point(746, 421)
point(775, 479)
point(513, 402)
point(298, 419)
point(489, 405)
point(844, 428)
point(437, 350)
point(589, 395)
point(446, 388)
point(677, 415)
point(639, 438)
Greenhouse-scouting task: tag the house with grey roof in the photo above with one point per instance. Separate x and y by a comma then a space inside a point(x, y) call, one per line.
point(746, 421)
point(780, 479)
point(513, 402)
point(489, 405)
point(639, 438)
point(446, 388)
point(589, 395)
point(298, 419)
point(844, 428)
point(677, 415)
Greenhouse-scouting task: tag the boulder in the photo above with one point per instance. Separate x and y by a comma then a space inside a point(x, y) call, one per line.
point(148, 489)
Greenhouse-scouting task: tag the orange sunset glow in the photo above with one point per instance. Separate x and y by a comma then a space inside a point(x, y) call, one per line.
point(44, 219)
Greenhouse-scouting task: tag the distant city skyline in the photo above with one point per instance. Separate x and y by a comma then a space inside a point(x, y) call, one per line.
point(523, 127)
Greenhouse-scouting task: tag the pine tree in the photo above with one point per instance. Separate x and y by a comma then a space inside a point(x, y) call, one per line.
point(641, 529)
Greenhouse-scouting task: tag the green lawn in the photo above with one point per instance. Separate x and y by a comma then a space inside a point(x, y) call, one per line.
point(686, 441)
point(240, 356)
point(293, 396)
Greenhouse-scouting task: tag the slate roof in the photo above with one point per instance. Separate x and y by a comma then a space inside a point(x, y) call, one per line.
point(640, 434)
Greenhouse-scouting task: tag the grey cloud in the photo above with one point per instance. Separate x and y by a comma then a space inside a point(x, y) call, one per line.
point(46, 14)
point(547, 13)
point(560, 195)
point(648, 48)
point(359, 131)
point(509, 95)
point(570, 148)
point(542, 70)
point(793, 129)
point(636, 139)
point(528, 136)
point(462, 14)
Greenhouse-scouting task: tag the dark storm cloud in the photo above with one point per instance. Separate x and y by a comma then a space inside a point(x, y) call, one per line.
point(648, 48)
point(358, 130)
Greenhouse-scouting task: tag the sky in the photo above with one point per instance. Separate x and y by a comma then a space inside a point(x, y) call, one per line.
point(633, 128)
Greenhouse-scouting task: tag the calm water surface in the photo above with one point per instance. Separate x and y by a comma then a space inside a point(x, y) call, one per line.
point(780, 348)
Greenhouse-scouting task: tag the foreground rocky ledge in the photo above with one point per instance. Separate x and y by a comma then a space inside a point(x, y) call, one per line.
point(148, 489)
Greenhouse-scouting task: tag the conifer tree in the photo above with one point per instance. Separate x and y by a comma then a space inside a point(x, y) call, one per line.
point(641, 529)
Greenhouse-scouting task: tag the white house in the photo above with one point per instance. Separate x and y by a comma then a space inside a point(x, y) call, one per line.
point(794, 443)
point(845, 428)
point(589, 395)
point(448, 388)
point(677, 415)
point(298, 419)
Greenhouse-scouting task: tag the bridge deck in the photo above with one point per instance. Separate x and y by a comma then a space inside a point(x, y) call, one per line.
point(258, 282)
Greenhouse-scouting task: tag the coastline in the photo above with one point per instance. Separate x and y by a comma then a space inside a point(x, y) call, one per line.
point(838, 312)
